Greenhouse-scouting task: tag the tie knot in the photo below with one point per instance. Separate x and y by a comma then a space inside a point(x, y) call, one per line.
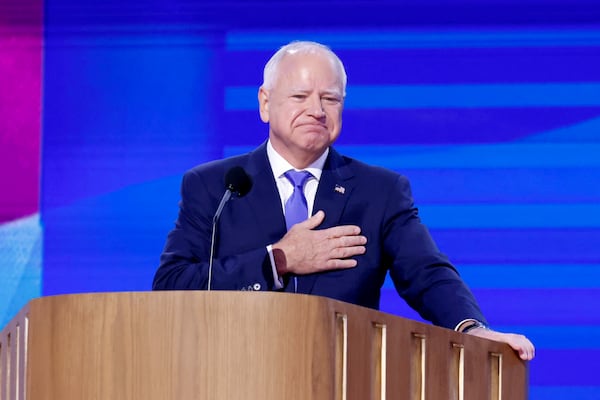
point(298, 178)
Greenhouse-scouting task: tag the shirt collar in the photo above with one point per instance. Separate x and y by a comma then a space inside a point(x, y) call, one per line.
point(280, 165)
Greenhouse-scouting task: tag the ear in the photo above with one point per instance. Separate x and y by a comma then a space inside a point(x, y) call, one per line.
point(263, 104)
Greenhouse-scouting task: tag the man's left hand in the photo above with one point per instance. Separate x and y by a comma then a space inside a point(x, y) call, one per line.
point(519, 343)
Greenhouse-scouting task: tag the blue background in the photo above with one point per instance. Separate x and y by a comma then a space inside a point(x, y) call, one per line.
point(492, 111)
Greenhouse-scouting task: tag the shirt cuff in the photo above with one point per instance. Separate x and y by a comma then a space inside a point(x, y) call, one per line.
point(278, 281)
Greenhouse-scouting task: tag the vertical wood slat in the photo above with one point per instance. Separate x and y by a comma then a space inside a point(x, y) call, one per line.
point(8, 392)
point(379, 367)
point(496, 378)
point(458, 371)
point(5, 364)
point(24, 356)
point(419, 366)
point(17, 363)
point(21, 365)
point(341, 355)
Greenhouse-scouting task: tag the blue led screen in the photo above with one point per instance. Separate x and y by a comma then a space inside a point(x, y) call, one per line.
point(498, 128)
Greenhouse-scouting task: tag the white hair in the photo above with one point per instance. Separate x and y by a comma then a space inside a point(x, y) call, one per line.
point(303, 47)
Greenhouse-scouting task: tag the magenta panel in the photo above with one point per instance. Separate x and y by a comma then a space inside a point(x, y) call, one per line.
point(20, 109)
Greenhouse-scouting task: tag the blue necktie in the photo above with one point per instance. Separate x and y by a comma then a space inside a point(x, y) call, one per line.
point(296, 208)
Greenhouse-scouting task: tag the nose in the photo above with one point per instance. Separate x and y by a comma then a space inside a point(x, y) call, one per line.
point(315, 107)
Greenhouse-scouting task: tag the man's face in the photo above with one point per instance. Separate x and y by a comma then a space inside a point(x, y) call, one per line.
point(304, 107)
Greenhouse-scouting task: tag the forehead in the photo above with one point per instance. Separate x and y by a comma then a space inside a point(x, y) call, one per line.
point(317, 67)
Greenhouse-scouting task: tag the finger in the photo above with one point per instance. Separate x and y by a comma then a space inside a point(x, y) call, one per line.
point(349, 241)
point(526, 354)
point(530, 353)
point(528, 349)
point(340, 231)
point(313, 221)
point(340, 264)
point(523, 354)
point(524, 347)
point(346, 252)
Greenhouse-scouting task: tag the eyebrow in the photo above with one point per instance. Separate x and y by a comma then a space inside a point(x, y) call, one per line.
point(335, 92)
point(331, 92)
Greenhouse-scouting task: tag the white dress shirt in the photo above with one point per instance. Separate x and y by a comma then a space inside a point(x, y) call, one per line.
point(279, 166)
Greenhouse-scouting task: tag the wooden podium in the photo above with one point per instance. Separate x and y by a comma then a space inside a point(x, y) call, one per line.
point(242, 345)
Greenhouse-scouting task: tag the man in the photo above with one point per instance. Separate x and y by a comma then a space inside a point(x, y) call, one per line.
point(363, 220)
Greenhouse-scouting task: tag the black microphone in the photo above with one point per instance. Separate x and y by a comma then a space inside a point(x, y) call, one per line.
point(239, 183)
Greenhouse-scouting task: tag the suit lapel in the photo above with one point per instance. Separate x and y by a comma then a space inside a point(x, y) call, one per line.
point(264, 198)
point(335, 187)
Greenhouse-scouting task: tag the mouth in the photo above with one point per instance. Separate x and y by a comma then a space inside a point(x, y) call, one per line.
point(312, 125)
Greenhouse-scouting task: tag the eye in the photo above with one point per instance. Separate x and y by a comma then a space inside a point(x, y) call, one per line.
point(299, 96)
point(331, 99)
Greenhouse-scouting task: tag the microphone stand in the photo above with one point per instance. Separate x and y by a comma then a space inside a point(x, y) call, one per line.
point(225, 199)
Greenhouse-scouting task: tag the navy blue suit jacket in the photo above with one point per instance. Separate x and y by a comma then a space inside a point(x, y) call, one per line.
point(349, 192)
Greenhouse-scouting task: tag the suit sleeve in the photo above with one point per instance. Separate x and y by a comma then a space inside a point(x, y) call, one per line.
point(185, 259)
point(422, 275)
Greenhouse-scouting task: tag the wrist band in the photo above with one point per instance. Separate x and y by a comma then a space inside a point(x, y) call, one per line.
point(475, 324)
